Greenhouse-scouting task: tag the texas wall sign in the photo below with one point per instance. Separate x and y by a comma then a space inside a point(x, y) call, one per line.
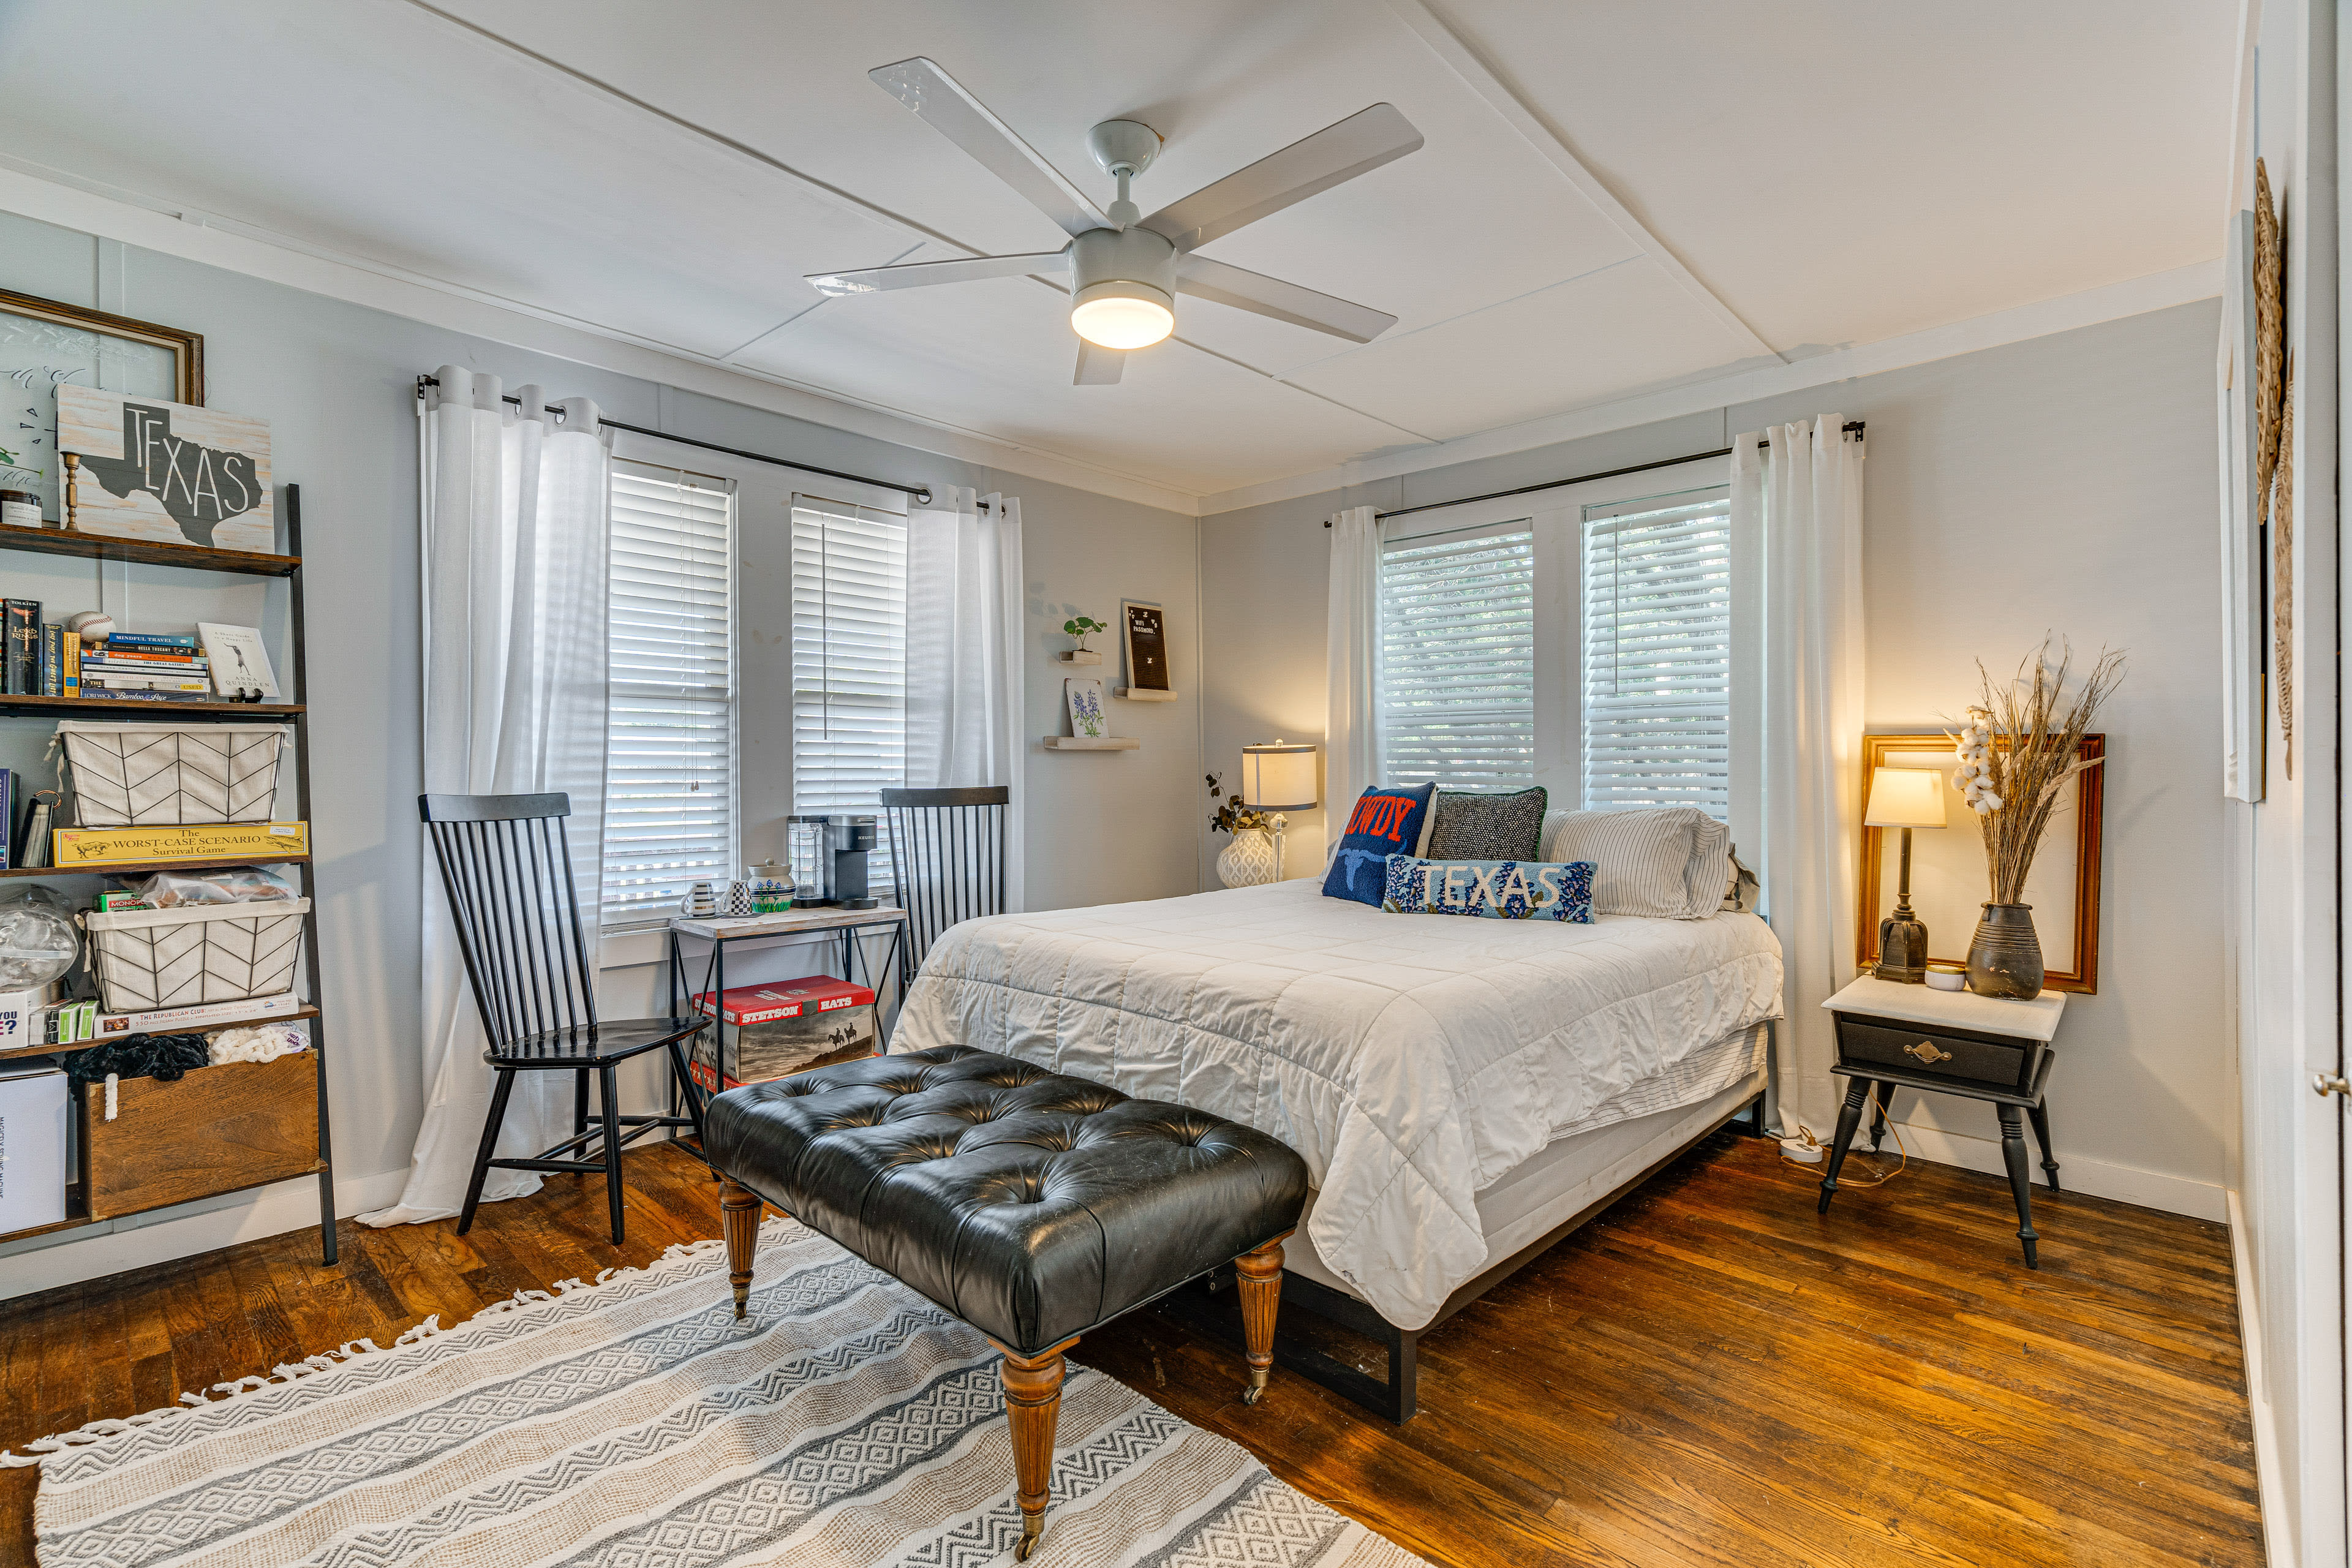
point(167, 471)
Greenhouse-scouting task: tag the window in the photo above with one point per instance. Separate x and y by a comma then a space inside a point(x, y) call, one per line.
point(849, 662)
point(1657, 654)
point(669, 735)
point(1457, 678)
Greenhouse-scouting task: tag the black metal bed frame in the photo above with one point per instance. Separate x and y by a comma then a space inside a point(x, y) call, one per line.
point(1210, 1307)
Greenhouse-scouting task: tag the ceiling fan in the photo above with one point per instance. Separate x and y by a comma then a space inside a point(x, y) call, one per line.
point(1125, 270)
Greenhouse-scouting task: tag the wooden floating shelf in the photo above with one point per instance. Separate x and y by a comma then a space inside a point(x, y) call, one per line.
point(124, 868)
point(22, 706)
point(295, 1017)
point(99, 546)
point(1141, 694)
point(1090, 743)
point(1077, 656)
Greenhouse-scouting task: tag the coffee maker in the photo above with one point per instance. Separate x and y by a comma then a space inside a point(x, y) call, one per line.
point(838, 844)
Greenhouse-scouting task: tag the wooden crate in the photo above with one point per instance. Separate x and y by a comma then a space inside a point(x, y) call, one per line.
point(215, 1131)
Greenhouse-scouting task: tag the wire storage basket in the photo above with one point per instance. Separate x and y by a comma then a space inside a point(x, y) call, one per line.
point(169, 775)
point(205, 952)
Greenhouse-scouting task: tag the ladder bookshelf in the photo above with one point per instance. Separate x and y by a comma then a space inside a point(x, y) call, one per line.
point(177, 1145)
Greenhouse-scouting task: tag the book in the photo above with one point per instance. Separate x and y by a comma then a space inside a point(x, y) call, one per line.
point(240, 664)
point(121, 680)
point(197, 1016)
point(151, 671)
point(33, 846)
point(151, 656)
point(160, 641)
point(20, 623)
point(53, 660)
point(72, 644)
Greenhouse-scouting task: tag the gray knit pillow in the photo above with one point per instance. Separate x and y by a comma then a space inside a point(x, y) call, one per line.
point(1487, 826)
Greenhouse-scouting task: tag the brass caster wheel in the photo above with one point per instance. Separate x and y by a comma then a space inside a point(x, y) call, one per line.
point(1032, 1529)
point(1249, 1395)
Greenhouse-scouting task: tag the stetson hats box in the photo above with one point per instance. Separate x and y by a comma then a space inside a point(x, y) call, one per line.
point(775, 1029)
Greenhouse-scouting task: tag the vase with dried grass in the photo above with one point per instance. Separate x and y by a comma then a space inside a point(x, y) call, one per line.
point(2020, 750)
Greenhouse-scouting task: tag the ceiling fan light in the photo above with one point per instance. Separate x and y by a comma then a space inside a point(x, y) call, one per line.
point(1122, 315)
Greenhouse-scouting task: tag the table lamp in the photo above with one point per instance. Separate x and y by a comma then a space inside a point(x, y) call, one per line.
point(1275, 778)
point(1905, 798)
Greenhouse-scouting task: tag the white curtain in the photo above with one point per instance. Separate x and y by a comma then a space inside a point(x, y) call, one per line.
point(515, 517)
point(965, 679)
point(1796, 504)
point(1351, 717)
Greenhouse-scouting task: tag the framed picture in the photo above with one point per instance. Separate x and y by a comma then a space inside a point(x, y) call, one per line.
point(1947, 868)
point(1146, 632)
point(44, 344)
point(2245, 696)
point(1085, 695)
point(169, 472)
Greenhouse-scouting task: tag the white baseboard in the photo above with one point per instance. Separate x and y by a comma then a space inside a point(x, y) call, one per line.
point(141, 1241)
point(2278, 1543)
point(2076, 1174)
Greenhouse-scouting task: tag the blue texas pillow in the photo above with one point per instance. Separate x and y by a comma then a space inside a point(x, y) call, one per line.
point(1385, 822)
point(1494, 889)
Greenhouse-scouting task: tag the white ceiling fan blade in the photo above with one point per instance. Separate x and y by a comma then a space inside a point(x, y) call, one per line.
point(1303, 307)
point(1362, 142)
point(1098, 366)
point(920, 274)
point(954, 113)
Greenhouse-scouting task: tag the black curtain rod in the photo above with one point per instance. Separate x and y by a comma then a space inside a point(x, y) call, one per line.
point(1852, 426)
point(919, 492)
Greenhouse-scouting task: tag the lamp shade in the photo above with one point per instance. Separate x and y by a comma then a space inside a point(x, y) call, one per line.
point(1279, 777)
point(1904, 797)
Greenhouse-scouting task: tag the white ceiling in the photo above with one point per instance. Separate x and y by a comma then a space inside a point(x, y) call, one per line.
point(1611, 198)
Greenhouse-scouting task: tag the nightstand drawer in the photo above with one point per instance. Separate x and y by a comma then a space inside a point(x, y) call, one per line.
point(2004, 1063)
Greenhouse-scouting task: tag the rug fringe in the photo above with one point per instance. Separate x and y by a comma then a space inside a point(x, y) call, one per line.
point(40, 1448)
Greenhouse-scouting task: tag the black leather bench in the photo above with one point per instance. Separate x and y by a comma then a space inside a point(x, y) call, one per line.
point(1034, 1206)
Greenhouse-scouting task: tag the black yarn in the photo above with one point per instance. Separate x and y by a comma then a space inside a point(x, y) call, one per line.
point(162, 1057)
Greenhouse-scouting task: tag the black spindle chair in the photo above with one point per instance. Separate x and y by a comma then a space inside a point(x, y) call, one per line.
point(947, 859)
point(506, 866)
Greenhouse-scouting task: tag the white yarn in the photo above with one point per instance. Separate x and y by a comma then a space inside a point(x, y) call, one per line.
point(256, 1043)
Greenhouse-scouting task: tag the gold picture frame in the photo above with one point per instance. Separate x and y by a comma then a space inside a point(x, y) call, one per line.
point(1948, 872)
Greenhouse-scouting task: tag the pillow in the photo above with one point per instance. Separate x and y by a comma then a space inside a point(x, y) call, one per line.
point(1666, 861)
point(1493, 890)
point(1385, 822)
point(1466, 826)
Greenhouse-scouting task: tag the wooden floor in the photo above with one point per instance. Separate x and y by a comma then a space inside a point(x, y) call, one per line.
point(1707, 1375)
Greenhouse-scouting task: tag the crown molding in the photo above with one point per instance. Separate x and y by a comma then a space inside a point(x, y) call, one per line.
point(192, 234)
point(2113, 301)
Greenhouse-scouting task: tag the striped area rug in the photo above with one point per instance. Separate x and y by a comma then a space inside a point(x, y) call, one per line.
point(634, 1422)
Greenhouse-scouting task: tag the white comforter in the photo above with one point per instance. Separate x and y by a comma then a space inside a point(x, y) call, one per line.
point(1411, 1059)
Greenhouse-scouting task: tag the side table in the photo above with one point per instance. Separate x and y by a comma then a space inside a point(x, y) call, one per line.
point(1890, 1035)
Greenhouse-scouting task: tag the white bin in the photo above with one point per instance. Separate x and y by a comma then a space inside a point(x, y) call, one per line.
point(169, 775)
point(206, 952)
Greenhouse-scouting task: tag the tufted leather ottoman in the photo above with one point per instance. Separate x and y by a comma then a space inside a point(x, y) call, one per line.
point(1034, 1206)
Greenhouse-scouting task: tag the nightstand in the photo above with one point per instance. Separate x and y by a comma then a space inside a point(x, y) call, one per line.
point(1890, 1035)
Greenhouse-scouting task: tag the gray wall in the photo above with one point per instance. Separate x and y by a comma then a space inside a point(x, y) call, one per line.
point(2064, 484)
point(336, 382)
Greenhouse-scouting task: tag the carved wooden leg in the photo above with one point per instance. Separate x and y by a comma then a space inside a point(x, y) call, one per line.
point(1261, 1290)
point(1032, 1399)
point(1858, 1093)
point(738, 1214)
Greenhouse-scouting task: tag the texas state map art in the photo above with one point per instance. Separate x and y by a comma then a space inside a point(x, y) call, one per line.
point(168, 472)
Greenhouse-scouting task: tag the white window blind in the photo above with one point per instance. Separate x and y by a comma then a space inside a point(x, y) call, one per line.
point(1457, 689)
point(849, 664)
point(1657, 655)
point(669, 769)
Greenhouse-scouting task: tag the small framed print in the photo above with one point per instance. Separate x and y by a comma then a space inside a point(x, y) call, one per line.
point(1145, 630)
point(1085, 694)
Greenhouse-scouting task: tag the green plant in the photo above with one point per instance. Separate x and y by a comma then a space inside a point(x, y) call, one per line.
point(1082, 627)
point(1232, 817)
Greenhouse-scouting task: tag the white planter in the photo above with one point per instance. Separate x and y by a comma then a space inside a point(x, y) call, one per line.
point(1248, 860)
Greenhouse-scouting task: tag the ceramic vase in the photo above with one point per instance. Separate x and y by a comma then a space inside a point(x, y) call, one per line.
point(1247, 860)
point(2005, 958)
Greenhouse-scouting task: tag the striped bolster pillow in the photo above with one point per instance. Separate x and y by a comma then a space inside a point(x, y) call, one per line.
point(1668, 862)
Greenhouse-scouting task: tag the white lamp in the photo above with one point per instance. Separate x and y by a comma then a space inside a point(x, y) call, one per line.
point(1905, 798)
point(1277, 778)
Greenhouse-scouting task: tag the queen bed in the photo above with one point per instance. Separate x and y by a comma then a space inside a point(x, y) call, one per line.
point(1463, 1092)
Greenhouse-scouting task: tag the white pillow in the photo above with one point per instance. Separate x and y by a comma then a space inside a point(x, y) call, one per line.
point(1667, 862)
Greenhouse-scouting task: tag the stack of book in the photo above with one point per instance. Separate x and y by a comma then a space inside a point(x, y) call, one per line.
point(146, 663)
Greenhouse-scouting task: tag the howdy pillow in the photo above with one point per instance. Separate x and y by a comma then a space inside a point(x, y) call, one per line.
point(1385, 822)
point(1494, 889)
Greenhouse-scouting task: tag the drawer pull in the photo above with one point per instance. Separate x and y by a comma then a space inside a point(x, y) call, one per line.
point(1927, 1054)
